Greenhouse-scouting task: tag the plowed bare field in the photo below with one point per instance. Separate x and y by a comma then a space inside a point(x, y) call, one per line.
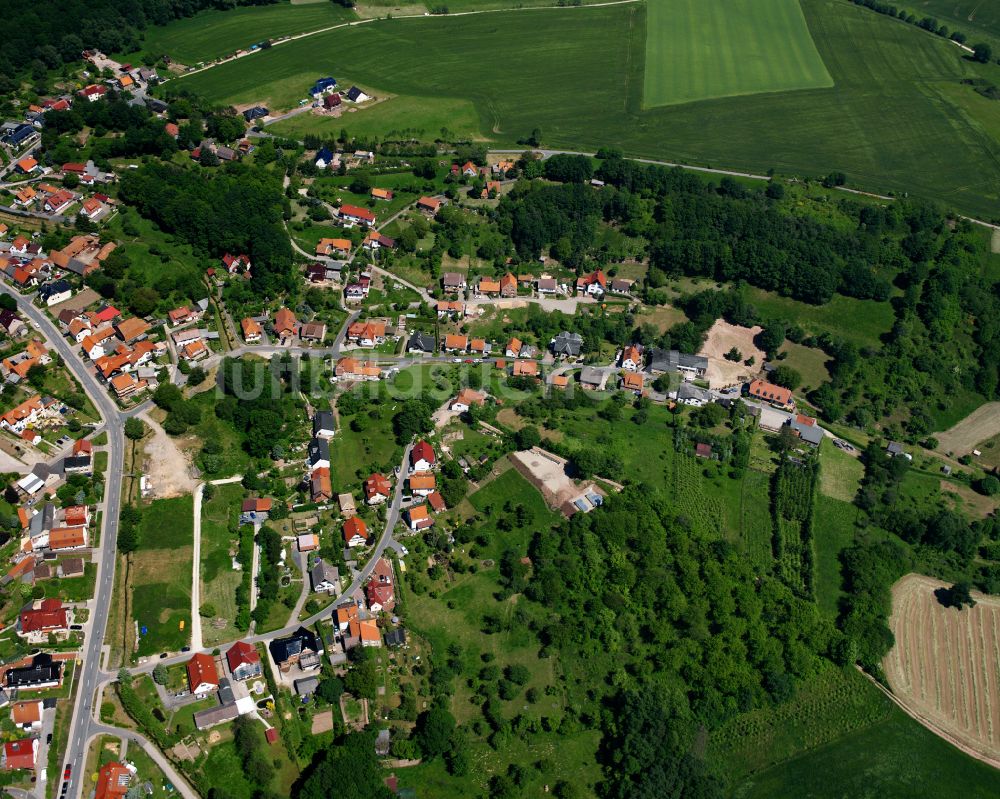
point(945, 666)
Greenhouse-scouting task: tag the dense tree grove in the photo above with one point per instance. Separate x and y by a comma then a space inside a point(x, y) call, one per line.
point(236, 210)
point(946, 336)
point(45, 34)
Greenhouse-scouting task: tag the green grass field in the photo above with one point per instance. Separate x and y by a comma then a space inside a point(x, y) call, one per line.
point(833, 531)
point(840, 474)
point(212, 34)
point(896, 101)
point(894, 759)
point(860, 321)
point(219, 580)
point(161, 575)
point(699, 49)
point(972, 17)
point(826, 706)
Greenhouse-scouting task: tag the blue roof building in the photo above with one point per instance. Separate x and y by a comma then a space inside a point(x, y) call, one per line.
point(322, 86)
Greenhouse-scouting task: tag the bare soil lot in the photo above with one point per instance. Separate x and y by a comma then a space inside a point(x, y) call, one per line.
point(983, 423)
point(721, 338)
point(945, 666)
point(168, 469)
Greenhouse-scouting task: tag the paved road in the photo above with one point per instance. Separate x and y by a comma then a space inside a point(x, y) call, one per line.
point(81, 723)
point(181, 784)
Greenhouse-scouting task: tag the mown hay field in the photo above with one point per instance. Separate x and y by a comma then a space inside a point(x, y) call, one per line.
point(944, 666)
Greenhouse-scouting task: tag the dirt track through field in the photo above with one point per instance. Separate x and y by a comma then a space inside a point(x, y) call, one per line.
point(944, 669)
point(981, 424)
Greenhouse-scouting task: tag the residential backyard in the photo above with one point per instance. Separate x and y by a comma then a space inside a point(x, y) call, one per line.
point(161, 575)
point(219, 580)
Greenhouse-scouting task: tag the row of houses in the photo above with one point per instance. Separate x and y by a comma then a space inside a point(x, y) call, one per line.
point(119, 348)
point(44, 198)
point(26, 266)
point(594, 284)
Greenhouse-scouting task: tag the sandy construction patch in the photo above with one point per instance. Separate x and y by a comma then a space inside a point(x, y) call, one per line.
point(169, 471)
point(721, 338)
point(981, 424)
point(945, 666)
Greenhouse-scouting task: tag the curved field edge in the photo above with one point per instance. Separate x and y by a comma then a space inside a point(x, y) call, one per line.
point(943, 668)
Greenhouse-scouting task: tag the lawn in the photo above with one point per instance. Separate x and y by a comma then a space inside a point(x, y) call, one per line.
point(840, 474)
point(212, 34)
point(860, 321)
point(161, 575)
point(219, 580)
point(402, 117)
point(808, 362)
point(699, 49)
point(72, 589)
point(833, 531)
point(894, 759)
point(886, 75)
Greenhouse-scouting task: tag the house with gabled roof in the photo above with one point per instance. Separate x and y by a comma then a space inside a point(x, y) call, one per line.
point(418, 518)
point(355, 532)
point(422, 458)
point(594, 284)
point(632, 358)
point(355, 214)
point(429, 205)
point(285, 324)
point(202, 675)
point(19, 755)
point(252, 331)
point(324, 577)
point(377, 489)
point(244, 661)
point(455, 342)
point(779, 396)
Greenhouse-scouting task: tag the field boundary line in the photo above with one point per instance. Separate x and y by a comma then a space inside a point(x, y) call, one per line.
point(930, 725)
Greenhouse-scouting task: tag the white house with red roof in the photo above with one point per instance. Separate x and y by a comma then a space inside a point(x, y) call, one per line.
point(243, 660)
point(422, 457)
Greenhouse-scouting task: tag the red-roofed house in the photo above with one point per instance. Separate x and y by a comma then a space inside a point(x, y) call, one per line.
point(243, 660)
point(353, 214)
point(381, 597)
point(355, 532)
point(201, 674)
point(422, 457)
point(377, 489)
point(234, 263)
point(42, 618)
point(418, 518)
point(112, 781)
point(594, 284)
point(19, 754)
point(768, 392)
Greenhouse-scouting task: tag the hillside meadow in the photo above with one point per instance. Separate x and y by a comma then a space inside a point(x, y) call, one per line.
point(896, 119)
